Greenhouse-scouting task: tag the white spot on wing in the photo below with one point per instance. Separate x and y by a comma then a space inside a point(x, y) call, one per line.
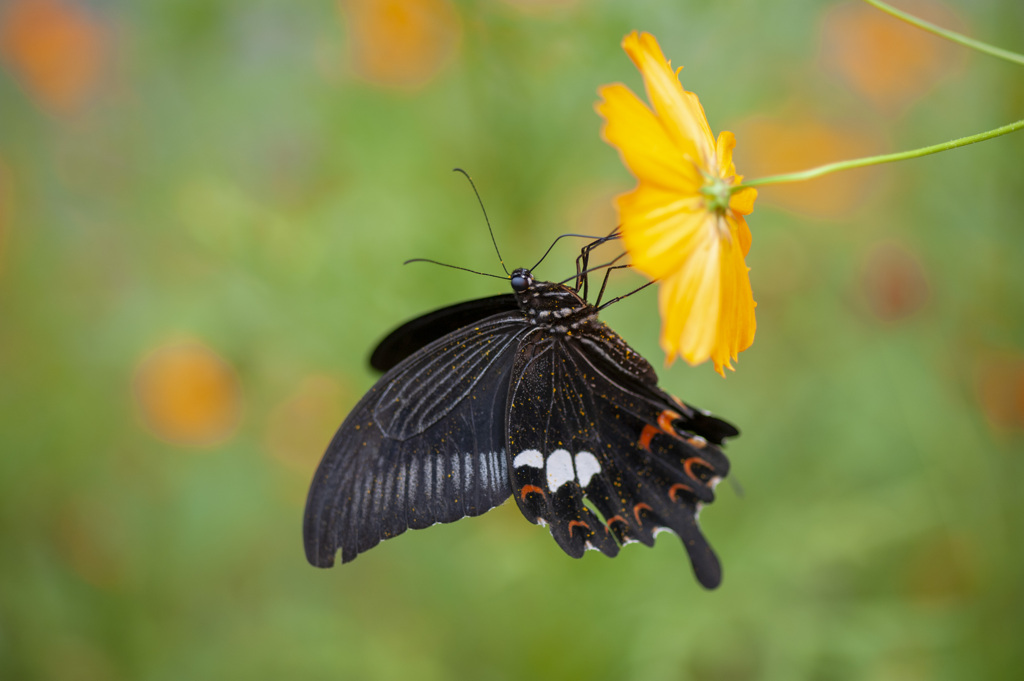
point(389, 483)
point(485, 470)
point(586, 467)
point(560, 469)
point(493, 468)
point(528, 457)
point(428, 487)
point(414, 466)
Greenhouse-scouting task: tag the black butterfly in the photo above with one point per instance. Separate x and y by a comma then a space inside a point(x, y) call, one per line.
point(524, 394)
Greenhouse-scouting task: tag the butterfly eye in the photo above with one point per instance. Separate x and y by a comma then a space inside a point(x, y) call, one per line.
point(520, 283)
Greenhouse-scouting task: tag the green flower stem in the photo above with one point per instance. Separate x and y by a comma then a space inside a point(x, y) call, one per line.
point(878, 160)
point(949, 35)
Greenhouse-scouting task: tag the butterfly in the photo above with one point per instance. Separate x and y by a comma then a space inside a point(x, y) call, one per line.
point(529, 395)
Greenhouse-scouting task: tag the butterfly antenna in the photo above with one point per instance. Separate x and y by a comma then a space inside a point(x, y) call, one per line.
point(454, 267)
point(486, 219)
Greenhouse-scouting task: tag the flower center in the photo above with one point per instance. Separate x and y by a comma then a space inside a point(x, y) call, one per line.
point(716, 192)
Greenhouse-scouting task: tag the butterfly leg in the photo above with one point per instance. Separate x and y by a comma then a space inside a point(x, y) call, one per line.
point(624, 295)
point(604, 283)
point(583, 260)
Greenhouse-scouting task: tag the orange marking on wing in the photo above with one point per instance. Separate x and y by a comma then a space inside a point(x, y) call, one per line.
point(665, 420)
point(697, 442)
point(529, 489)
point(688, 465)
point(673, 491)
point(577, 523)
point(647, 435)
point(611, 520)
point(636, 511)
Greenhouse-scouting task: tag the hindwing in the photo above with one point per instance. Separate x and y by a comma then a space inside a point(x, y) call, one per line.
point(425, 445)
point(601, 455)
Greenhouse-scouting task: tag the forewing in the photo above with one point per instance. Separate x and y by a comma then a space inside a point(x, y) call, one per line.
point(583, 430)
point(435, 380)
point(425, 329)
point(425, 445)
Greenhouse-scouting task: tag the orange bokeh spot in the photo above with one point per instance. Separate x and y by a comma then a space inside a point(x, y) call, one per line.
point(401, 43)
point(300, 427)
point(55, 48)
point(887, 61)
point(769, 146)
point(188, 395)
point(1000, 387)
point(894, 281)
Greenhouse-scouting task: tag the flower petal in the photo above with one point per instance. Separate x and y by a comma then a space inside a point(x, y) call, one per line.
point(726, 143)
point(741, 231)
point(645, 146)
point(681, 110)
point(737, 322)
point(658, 227)
point(743, 201)
point(690, 304)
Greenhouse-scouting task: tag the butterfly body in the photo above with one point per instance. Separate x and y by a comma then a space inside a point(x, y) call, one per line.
point(537, 399)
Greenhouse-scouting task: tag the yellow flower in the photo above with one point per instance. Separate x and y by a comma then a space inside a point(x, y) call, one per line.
point(681, 225)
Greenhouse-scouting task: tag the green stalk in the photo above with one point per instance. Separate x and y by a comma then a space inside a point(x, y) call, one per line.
point(878, 160)
point(949, 35)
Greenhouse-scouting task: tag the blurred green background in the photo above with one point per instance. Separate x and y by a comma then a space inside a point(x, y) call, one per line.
point(204, 208)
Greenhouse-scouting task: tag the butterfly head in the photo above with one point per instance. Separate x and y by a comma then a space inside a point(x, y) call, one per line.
point(549, 304)
point(521, 280)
